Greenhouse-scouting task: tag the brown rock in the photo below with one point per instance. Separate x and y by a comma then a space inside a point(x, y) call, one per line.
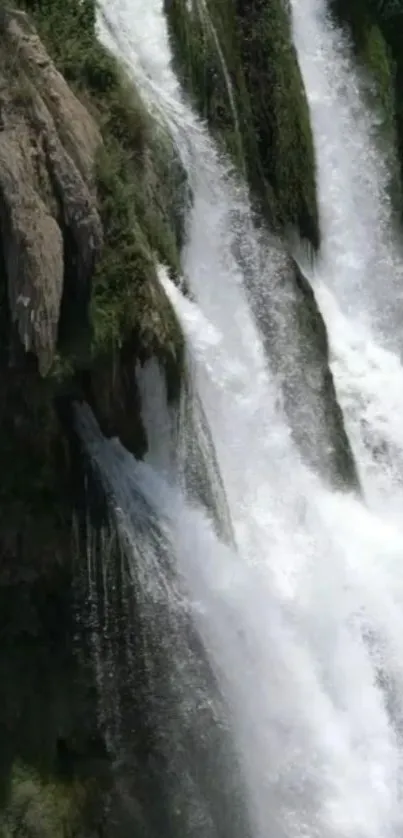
point(77, 129)
point(49, 224)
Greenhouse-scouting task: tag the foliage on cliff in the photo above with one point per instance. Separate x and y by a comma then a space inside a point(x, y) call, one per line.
point(109, 196)
point(86, 308)
point(238, 62)
point(141, 185)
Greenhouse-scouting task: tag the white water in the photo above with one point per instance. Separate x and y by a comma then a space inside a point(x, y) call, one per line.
point(358, 250)
point(358, 280)
point(303, 620)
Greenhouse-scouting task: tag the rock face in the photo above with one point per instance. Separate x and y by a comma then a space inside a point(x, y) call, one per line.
point(50, 227)
point(257, 108)
point(272, 144)
point(295, 339)
point(91, 201)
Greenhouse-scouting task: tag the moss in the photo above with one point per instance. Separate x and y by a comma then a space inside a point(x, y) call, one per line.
point(142, 193)
point(124, 299)
point(40, 809)
point(199, 66)
point(280, 112)
point(141, 187)
point(269, 135)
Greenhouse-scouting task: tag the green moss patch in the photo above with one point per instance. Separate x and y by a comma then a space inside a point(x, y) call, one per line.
point(37, 809)
point(269, 135)
point(140, 182)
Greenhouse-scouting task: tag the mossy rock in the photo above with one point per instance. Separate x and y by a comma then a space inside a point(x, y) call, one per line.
point(141, 185)
point(268, 132)
point(39, 808)
point(142, 197)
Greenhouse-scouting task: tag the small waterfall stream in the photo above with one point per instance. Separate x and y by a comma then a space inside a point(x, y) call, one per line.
point(358, 279)
point(273, 658)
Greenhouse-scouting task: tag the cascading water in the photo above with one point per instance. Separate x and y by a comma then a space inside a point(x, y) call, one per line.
point(358, 279)
point(182, 711)
point(181, 444)
point(289, 640)
point(359, 254)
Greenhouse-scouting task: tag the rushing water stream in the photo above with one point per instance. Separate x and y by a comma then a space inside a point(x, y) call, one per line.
point(359, 278)
point(298, 614)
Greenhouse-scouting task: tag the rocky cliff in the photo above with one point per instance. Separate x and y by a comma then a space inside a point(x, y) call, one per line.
point(258, 107)
point(51, 231)
point(84, 216)
point(238, 62)
point(92, 198)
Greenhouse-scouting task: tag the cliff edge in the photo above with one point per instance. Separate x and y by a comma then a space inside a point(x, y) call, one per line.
point(51, 231)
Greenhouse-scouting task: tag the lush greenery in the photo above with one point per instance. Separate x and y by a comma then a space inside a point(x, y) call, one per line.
point(238, 62)
point(141, 184)
point(141, 194)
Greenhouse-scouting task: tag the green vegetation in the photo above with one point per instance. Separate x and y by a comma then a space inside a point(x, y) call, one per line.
point(37, 809)
point(142, 193)
point(141, 185)
point(269, 135)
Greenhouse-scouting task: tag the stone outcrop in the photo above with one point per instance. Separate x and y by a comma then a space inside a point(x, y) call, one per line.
point(92, 198)
point(51, 232)
point(266, 129)
point(90, 202)
point(252, 94)
point(295, 339)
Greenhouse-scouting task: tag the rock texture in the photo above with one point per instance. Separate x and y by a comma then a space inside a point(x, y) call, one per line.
point(50, 228)
point(295, 338)
point(257, 109)
point(92, 198)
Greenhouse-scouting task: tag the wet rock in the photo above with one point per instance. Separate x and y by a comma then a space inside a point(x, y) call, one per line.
point(47, 198)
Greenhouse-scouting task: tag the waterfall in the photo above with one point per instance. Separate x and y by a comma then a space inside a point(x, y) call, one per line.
point(184, 719)
point(358, 279)
point(180, 442)
point(360, 258)
point(297, 660)
point(272, 659)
